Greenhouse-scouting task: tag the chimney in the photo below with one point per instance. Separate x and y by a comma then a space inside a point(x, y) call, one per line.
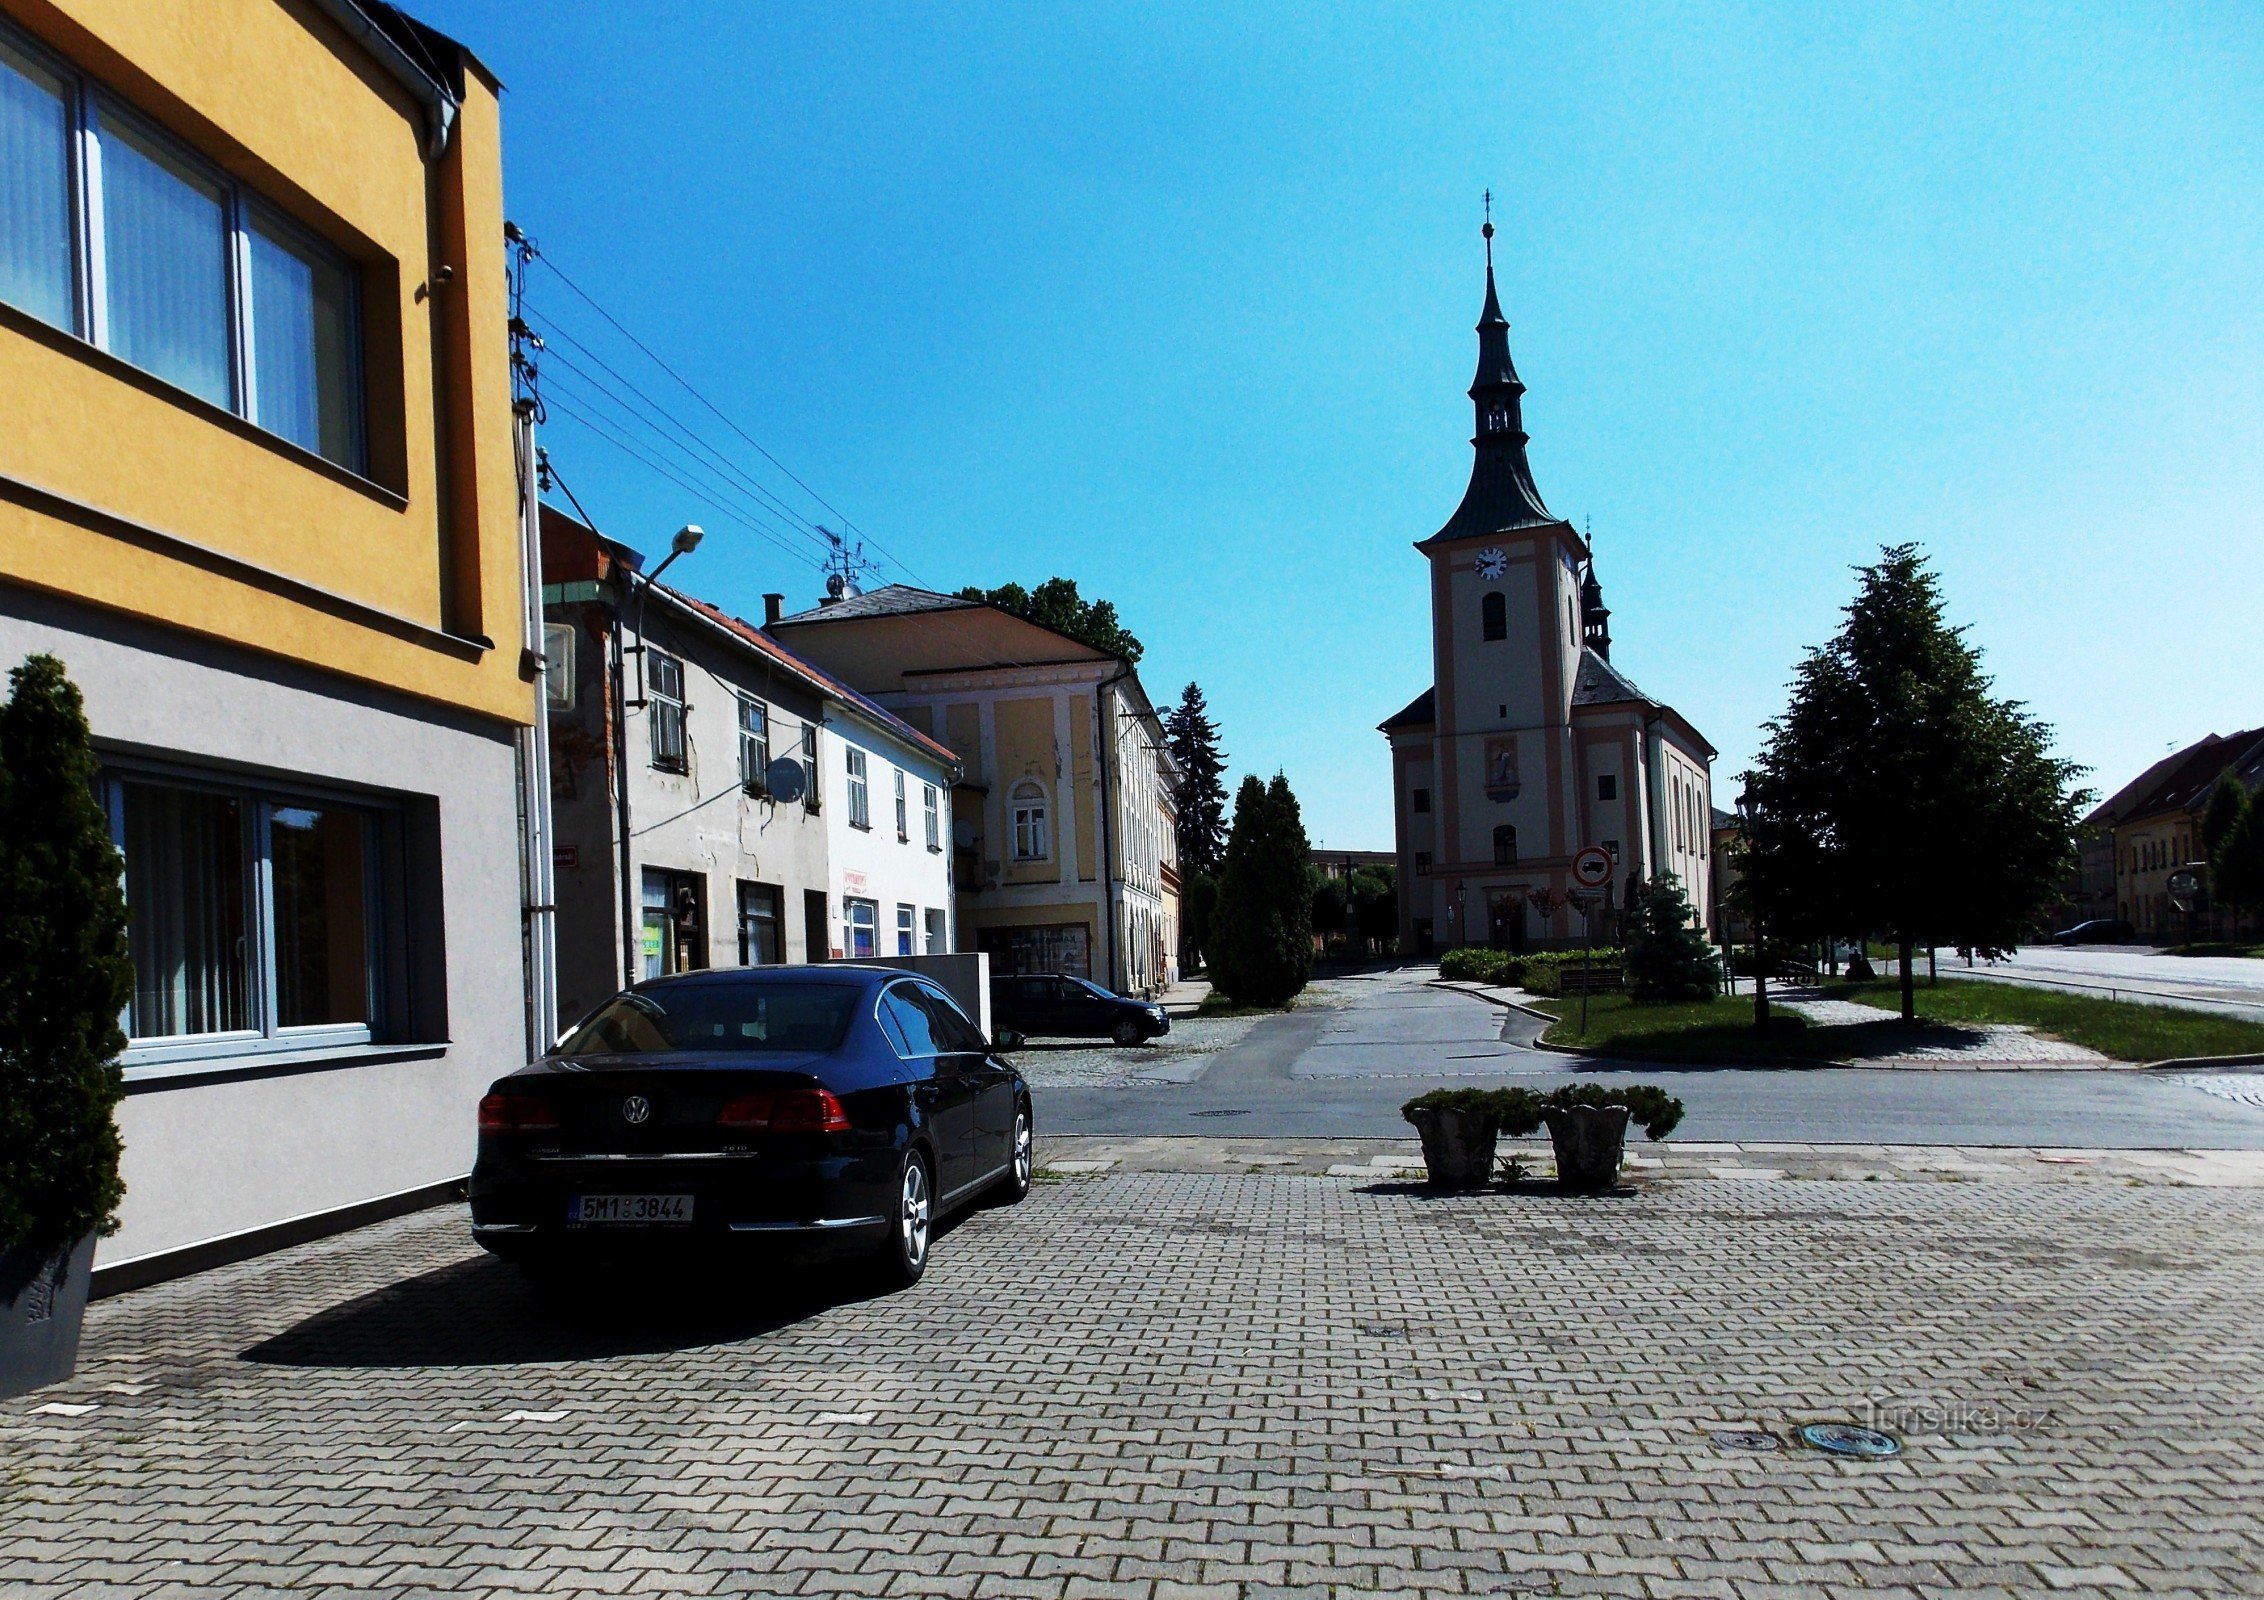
point(774, 607)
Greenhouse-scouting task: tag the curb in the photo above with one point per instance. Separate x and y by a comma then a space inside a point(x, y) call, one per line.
point(1482, 992)
point(2189, 1063)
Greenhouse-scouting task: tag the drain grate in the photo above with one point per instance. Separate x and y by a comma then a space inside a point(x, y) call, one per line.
point(1752, 1440)
point(1219, 1113)
point(1846, 1439)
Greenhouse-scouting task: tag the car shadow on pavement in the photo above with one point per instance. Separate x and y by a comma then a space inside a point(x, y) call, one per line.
point(485, 1312)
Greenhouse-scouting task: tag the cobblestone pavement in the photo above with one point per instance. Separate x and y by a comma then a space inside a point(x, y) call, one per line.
point(1166, 1384)
point(2245, 1087)
point(1948, 1044)
point(1180, 1056)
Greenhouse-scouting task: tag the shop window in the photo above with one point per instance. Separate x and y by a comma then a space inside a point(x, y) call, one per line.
point(860, 925)
point(907, 930)
point(762, 935)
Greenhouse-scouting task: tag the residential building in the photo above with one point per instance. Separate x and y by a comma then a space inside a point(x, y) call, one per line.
point(669, 718)
point(1342, 864)
point(1530, 744)
point(258, 492)
point(2151, 827)
point(1063, 821)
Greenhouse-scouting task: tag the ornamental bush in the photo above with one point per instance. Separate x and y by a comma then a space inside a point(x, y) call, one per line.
point(64, 971)
point(1517, 1113)
point(1668, 957)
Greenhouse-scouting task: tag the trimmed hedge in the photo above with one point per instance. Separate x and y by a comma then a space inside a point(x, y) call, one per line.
point(1538, 972)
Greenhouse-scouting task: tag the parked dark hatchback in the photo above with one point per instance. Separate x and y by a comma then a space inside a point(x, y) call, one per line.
point(829, 1108)
point(2100, 930)
point(1048, 1005)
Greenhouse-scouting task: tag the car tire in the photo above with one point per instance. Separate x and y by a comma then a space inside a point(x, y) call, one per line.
point(1022, 1161)
point(902, 1259)
point(1130, 1033)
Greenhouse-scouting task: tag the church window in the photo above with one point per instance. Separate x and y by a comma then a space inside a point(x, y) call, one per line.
point(1493, 615)
point(1611, 848)
point(1607, 786)
point(1422, 863)
point(1033, 831)
point(1420, 801)
point(1505, 846)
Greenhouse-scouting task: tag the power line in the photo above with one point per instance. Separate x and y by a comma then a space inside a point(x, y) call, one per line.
point(686, 384)
point(796, 520)
point(629, 417)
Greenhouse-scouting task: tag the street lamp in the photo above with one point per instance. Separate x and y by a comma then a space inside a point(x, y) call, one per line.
point(686, 540)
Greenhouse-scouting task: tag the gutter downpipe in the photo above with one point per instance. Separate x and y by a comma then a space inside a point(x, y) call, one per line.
point(1102, 755)
point(439, 103)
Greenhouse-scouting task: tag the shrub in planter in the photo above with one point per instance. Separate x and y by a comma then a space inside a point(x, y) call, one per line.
point(64, 977)
point(1457, 1128)
point(1588, 1128)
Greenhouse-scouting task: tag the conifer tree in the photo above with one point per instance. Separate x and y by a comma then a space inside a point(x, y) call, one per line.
point(2236, 861)
point(1261, 945)
point(1896, 797)
point(64, 971)
point(1668, 956)
point(1192, 738)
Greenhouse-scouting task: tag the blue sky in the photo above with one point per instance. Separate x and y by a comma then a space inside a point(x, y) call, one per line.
point(1178, 302)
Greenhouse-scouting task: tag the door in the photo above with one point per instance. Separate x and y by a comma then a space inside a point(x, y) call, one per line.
point(816, 925)
point(942, 1087)
point(962, 1048)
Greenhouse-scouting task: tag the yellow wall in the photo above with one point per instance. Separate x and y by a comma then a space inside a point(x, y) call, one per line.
point(1022, 732)
point(273, 94)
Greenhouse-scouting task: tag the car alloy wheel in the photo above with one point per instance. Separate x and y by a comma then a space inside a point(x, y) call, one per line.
point(1129, 1032)
point(1020, 1172)
point(905, 1255)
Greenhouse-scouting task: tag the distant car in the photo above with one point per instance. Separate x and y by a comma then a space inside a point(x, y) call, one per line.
point(831, 1108)
point(2099, 930)
point(1049, 1005)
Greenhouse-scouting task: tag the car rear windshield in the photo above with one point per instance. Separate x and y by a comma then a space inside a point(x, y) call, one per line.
point(718, 1016)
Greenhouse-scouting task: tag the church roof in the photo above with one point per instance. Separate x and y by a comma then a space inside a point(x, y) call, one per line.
point(1420, 712)
point(1501, 497)
point(1602, 684)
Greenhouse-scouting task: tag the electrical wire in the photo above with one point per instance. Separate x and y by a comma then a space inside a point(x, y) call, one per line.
point(722, 416)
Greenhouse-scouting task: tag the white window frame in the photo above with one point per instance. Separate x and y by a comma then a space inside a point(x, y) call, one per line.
point(851, 906)
point(810, 767)
point(907, 929)
point(860, 789)
point(1032, 816)
point(258, 806)
point(754, 745)
point(903, 810)
point(664, 707)
point(89, 106)
point(931, 802)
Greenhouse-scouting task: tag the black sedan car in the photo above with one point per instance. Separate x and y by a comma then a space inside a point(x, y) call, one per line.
point(2100, 930)
point(829, 1108)
point(1048, 1005)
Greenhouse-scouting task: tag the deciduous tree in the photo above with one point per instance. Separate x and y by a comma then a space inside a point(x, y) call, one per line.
point(1056, 604)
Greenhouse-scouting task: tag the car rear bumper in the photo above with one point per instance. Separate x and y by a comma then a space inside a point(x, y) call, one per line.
point(521, 1205)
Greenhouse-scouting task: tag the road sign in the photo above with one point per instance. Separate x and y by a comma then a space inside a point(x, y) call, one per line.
point(1592, 867)
point(1585, 900)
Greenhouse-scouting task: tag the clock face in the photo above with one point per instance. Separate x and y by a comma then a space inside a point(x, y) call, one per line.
point(1492, 564)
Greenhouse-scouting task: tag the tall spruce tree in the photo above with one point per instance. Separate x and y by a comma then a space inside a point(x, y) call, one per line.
point(1192, 738)
point(1896, 797)
point(1668, 957)
point(64, 971)
point(1261, 943)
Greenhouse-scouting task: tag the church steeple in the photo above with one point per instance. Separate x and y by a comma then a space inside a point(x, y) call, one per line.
point(1595, 616)
point(1501, 495)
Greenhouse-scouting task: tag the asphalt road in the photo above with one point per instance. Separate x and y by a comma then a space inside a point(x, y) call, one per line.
point(2233, 985)
point(1343, 1073)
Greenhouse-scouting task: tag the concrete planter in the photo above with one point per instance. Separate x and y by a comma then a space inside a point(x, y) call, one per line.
point(42, 1306)
point(1458, 1147)
point(1589, 1141)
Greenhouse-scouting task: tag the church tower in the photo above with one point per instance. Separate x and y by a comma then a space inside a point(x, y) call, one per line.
point(1529, 746)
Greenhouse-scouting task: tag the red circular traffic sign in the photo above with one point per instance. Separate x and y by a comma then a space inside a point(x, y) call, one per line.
point(1592, 867)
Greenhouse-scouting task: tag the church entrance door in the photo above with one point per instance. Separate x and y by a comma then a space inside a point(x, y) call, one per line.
point(1505, 919)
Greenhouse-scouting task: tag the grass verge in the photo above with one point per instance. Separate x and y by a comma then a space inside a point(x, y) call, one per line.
point(2253, 949)
point(1721, 1030)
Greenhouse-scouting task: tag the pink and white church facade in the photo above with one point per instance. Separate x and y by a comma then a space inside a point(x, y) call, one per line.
point(1530, 744)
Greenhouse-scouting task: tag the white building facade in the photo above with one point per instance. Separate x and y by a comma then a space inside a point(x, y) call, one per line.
point(888, 836)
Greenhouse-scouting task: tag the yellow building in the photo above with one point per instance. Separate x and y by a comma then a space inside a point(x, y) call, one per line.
point(1064, 856)
point(258, 491)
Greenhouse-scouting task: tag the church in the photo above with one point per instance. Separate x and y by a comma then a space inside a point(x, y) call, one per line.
point(1530, 746)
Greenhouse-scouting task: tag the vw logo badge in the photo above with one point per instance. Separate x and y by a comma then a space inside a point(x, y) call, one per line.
point(636, 1108)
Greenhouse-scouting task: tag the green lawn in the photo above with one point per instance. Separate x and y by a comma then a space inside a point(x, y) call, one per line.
point(1722, 1030)
point(2251, 948)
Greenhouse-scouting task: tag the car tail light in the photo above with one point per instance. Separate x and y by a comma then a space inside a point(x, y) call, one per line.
point(794, 1111)
point(516, 1113)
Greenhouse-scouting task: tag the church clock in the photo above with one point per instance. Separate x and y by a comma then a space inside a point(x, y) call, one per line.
point(1491, 565)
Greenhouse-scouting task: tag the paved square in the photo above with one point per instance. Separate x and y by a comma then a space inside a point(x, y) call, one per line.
point(1163, 1383)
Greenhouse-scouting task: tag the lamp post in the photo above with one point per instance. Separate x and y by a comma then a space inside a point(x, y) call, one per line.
point(686, 540)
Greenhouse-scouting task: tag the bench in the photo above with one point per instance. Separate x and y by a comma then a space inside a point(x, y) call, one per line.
point(1591, 977)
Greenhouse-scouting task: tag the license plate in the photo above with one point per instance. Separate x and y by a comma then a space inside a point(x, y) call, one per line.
point(629, 1208)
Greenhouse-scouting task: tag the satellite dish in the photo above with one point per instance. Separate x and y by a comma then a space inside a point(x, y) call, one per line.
point(786, 780)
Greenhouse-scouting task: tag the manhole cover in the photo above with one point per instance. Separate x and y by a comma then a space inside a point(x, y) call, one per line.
point(1845, 1439)
point(1751, 1439)
point(1221, 1113)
